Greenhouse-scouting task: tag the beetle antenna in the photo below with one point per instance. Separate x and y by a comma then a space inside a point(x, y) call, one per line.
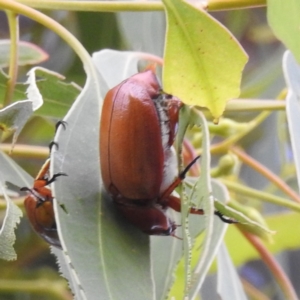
point(183, 173)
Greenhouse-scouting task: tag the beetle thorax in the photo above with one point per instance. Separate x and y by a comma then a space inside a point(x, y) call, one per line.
point(168, 126)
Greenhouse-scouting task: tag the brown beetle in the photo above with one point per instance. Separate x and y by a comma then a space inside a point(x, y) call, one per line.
point(39, 203)
point(39, 206)
point(138, 165)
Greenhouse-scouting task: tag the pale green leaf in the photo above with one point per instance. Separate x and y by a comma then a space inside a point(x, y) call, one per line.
point(50, 94)
point(19, 91)
point(203, 62)
point(283, 17)
point(111, 258)
point(14, 117)
point(229, 282)
point(115, 66)
point(216, 230)
point(28, 54)
point(165, 254)
point(11, 220)
point(67, 271)
point(10, 174)
point(204, 193)
point(219, 228)
point(47, 93)
point(254, 227)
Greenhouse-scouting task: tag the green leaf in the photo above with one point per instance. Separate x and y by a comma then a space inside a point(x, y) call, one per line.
point(165, 254)
point(111, 258)
point(203, 193)
point(10, 174)
point(19, 92)
point(15, 116)
point(203, 62)
point(51, 95)
point(189, 281)
point(215, 232)
point(283, 17)
point(259, 229)
point(229, 282)
point(115, 66)
point(198, 258)
point(29, 54)
point(7, 236)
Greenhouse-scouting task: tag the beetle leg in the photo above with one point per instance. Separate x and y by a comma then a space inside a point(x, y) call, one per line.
point(176, 182)
point(175, 203)
point(183, 173)
point(35, 193)
point(189, 153)
point(54, 177)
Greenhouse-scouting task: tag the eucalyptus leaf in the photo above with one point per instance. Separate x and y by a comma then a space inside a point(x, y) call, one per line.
point(229, 283)
point(10, 175)
point(253, 226)
point(13, 117)
point(51, 95)
point(165, 254)
point(115, 66)
point(111, 258)
point(212, 240)
point(203, 62)
point(47, 90)
point(11, 220)
point(283, 17)
point(19, 91)
point(67, 271)
point(203, 195)
point(28, 53)
point(220, 192)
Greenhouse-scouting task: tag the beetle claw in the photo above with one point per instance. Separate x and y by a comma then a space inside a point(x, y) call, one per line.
point(52, 144)
point(62, 123)
point(224, 218)
point(54, 177)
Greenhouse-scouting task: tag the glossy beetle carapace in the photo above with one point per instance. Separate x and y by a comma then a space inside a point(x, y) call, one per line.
point(39, 206)
point(138, 164)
